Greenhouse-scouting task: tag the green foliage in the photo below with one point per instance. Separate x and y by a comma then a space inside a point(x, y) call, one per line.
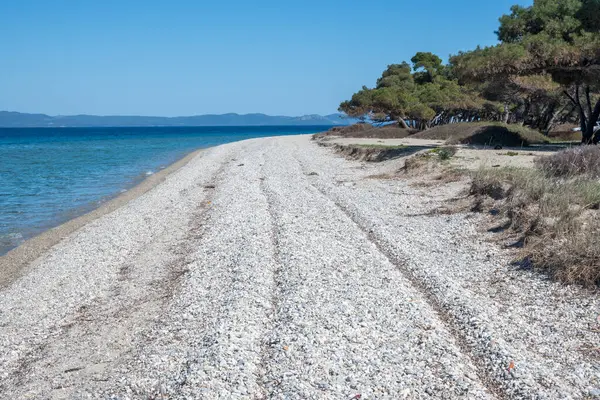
point(555, 18)
point(420, 95)
point(444, 153)
point(426, 66)
point(589, 15)
point(396, 75)
point(544, 72)
point(552, 39)
point(428, 61)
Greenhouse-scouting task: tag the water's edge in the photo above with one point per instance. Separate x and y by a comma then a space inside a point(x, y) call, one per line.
point(13, 263)
point(49, 176)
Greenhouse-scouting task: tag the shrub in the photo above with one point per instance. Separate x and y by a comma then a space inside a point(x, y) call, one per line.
point(557, 218)
point(443, 153)
point(572, 258)
point(487, 183)
point(446, 153)
point(581, 160)
point(363, 130)
point(484, 133)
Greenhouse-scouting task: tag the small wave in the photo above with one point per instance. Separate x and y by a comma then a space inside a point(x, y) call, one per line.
point(14, 236)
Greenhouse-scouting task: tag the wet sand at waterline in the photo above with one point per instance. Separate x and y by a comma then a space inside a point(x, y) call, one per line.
point(13, 262)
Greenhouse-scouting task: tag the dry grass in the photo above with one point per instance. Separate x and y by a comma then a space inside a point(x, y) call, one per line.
point(379, 146)
point(565, 133)
point(383, 176)
point(347, 130)
point(557, 218)
point(484, 133)
point(373, 152)
point(581, 160)
point(433, 160)
point(567, 136)
point(367, 131)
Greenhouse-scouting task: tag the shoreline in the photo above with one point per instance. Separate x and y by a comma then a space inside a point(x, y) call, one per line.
point(14, 263)
point(223, 275)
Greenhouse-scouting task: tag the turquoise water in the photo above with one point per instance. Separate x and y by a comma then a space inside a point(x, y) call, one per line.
point(50, 175)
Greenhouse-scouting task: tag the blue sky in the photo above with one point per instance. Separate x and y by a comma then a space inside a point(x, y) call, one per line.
point(195, 57)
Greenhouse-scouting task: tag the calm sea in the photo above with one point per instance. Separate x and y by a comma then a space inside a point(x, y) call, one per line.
point(50, 175)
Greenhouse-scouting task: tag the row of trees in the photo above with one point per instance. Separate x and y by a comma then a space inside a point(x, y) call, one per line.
point(419, 96)
point(544, 71)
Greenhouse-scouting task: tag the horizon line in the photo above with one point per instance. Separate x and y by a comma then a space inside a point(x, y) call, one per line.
point(174, 116)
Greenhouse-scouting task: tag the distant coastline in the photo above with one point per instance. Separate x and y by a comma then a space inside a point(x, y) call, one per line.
point(11, 119)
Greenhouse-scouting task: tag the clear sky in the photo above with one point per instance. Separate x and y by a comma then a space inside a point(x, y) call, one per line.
point(184, 57)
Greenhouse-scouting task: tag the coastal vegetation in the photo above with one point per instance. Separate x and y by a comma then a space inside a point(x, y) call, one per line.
point(553, 208)
point(543, 72)
point(484, 133)
point(534, 87)
point(364, 130)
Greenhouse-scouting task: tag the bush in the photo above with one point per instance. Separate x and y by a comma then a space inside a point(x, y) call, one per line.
point(581, 160)
point(446, 153)
point(363, 130)
point(486, 183)
point(558, 218)
point(484, 133)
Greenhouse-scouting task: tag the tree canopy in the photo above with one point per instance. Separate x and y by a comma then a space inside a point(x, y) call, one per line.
point(544, 70)
point(418, 95)
point(552, 46)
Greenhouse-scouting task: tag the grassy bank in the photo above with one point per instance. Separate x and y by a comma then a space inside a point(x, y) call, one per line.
point(473, 133)
point(553, 208)
point(484, 133)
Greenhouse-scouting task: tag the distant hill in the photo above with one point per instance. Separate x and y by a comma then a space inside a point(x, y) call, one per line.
point(10, 119)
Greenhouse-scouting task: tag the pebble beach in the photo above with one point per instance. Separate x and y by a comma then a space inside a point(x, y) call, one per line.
point(274, 268)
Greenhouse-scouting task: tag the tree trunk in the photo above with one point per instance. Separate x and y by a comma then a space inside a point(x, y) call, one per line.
point(588, 135)
point(402, 123)
point(526, 112)
point(587, 125)
point(548, 125)
point(587, 130)
point(592, 123)
point(506, 114)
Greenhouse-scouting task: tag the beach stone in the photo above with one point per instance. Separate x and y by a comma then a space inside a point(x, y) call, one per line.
point(280, 283)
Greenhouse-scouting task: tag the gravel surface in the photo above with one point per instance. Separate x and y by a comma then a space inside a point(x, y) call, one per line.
point(272, 268)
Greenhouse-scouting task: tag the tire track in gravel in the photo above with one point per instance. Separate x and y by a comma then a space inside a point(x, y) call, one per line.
point(242, 304)
point(208, 343)
point(447, 319)
point(270, 342)
point(455, 325)
point(174, 381)
point(352, 276)
point(71, 356)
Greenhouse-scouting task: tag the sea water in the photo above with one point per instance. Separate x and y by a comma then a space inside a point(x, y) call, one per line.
point(50, 175)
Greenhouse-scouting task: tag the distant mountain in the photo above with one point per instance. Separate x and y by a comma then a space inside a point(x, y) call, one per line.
point(22, 120)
